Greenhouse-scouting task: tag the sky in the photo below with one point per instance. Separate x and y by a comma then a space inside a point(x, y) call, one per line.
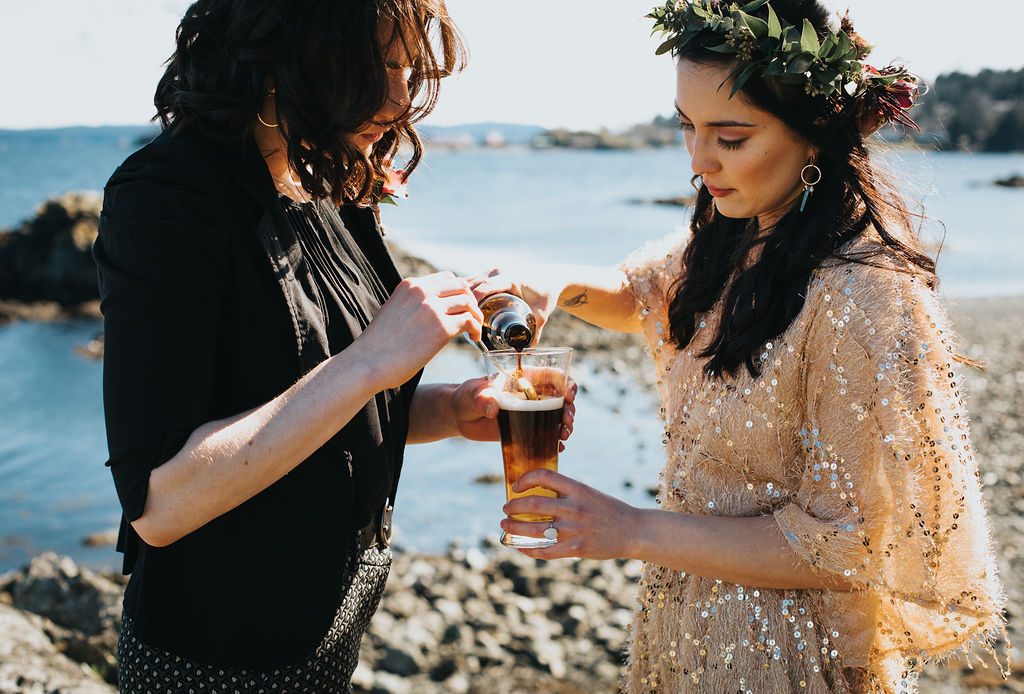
point(554, 63)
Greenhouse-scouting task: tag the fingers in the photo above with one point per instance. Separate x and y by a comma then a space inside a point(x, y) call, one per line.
point(456, 304)
point(493, 282)
point(527, 528)
point(568, 417)
point(465, 315)
point(465, 323)
point(537, 506)
point(547, 479)
point(571, 391)
point(559, 550)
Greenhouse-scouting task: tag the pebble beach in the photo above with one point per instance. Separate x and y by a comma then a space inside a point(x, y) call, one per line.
point(486, 619)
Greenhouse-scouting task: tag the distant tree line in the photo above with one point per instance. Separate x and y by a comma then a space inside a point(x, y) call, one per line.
point(982, 112)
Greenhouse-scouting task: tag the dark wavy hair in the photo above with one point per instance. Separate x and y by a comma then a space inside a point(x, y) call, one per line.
point(762, 300)
point(327, 62)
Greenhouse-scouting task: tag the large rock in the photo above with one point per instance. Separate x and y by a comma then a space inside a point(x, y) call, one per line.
point(79, 610)
point(49, 258)
point(71, 596)
point(31, 664)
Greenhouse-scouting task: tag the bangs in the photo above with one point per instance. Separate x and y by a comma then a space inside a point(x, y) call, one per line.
point(423, 31)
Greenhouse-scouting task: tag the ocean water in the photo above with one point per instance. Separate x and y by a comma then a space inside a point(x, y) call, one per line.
point(468, 211)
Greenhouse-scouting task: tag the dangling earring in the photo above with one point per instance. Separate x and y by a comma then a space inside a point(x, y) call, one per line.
point(697, 182)
point(259, 116)
point(809, 170)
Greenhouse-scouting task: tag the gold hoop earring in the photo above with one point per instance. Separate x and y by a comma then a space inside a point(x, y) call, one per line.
point(271, 92)
point(810, 170)
point(269, 125)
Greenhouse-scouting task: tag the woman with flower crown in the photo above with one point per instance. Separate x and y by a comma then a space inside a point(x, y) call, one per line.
point(822, 526)
point(263, 353)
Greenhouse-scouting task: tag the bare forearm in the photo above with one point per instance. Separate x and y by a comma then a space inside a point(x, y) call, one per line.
point(431, 417)
point(599, 295)
point(226, 462)
point(746, 551)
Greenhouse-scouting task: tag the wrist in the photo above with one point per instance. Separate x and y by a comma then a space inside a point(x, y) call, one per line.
point(447, 395)
point(660, 537)
point(637, 528)
point(359, 362)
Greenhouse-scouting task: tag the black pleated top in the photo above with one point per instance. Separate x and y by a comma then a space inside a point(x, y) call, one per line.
point(217, 296)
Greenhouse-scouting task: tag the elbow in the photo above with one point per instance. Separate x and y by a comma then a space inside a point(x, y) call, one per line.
point(155, 532)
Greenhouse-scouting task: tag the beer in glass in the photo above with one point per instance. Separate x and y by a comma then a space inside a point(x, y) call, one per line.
point(531, 388)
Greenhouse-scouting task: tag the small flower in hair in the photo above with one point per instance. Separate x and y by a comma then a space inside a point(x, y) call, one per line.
point(394, 188)
point(887, 95)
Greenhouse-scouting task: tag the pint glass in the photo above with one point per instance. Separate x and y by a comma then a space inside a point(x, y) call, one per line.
point(531, 394)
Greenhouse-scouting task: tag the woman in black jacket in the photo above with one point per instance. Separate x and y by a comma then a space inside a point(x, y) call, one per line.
point(262, 351)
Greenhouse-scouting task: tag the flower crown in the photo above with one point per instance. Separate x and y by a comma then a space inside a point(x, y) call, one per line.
point(831, 67)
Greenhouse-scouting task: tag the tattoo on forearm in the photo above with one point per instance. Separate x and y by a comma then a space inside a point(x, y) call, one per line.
point(576, 301)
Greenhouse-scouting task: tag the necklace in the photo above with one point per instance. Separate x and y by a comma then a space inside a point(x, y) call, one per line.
point(291, 188)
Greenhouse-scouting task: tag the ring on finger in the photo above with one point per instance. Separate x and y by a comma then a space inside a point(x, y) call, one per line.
point(551, 532)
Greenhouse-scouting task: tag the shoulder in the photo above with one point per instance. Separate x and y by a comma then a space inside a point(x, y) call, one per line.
point(651, 268)
point(182, 176)
point(658, 251)
point(879, 302)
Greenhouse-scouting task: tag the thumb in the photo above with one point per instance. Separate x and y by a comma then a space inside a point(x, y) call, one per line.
point(475, 399)
point(487, 402)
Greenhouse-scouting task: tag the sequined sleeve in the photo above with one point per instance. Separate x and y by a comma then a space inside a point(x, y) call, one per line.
point(652, 268)
point(888, 496)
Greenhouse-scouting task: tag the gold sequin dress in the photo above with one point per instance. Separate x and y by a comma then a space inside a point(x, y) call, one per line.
point(855, 438)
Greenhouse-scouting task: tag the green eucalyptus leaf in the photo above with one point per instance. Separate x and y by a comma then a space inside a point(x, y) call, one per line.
point(809, 38)
point(774, 26)
point(753, 6)
point(828, 76)
point(827, 47)
point(792, 79)
point(742, 78)
point(791, 38)
point(668, 45)
point(775, 68)
point(758, 27)
point(723, 47)
point(845, 45)
point(799, 64)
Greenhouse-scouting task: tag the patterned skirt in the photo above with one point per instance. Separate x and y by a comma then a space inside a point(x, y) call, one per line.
point(148, 670)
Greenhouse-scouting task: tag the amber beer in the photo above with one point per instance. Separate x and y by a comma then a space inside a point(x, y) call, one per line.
point(529, 441)
point(531, 396)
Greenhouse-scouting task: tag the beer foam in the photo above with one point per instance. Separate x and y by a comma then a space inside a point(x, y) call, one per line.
point(517, 403)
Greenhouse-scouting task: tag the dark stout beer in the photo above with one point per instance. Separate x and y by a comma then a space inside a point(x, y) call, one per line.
point(529, 440)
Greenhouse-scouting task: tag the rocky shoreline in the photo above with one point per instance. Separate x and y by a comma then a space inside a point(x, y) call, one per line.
point(474, 620)
point(491, 621)
point(487, 619)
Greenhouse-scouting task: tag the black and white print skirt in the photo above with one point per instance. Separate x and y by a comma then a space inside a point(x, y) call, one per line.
point(147, 670)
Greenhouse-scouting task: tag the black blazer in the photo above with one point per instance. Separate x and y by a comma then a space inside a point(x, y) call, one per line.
point(208, 312)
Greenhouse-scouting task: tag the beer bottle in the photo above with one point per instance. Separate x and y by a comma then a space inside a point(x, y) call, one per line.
point(508, 322)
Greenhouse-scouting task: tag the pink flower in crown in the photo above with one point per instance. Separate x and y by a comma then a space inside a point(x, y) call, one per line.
point(904, 93)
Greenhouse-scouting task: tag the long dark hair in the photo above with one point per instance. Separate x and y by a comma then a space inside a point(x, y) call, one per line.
point(326, 60)
point(761, 301)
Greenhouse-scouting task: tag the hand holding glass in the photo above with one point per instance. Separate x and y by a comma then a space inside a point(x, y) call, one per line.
point(531, 388)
